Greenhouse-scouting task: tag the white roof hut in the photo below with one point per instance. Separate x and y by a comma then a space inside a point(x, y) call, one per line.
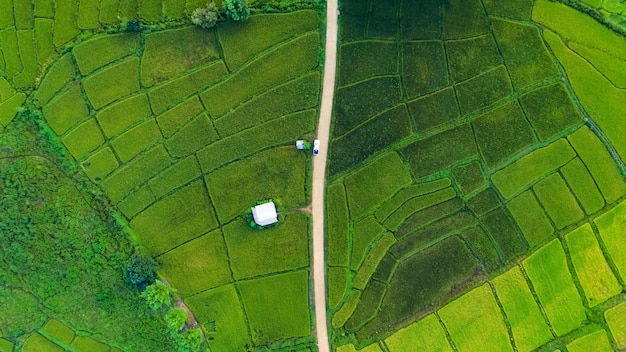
point(265, 214)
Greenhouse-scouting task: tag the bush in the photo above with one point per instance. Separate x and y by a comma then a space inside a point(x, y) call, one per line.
point(237, 10)
point(176, 318)
point(158, 294)
point(190, 341)
point(141, 270)
point(206, 17)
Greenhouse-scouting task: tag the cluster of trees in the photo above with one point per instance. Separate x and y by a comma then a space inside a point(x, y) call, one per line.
point(236, 10)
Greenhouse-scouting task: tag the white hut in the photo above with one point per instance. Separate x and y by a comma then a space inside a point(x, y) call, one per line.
point(265, 214)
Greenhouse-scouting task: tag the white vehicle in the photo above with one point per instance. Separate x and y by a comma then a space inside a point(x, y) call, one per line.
point(316, 146)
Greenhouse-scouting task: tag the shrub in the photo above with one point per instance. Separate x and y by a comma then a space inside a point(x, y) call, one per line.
point(176, 318)
point(205, 17)
point(157, 295)
point(141, 270)
point(237, 10)
point(190, 341)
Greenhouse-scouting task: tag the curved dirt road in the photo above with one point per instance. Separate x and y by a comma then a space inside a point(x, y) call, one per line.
point(319, 172)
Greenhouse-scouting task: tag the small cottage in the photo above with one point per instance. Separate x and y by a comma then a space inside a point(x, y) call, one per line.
point(265, 214)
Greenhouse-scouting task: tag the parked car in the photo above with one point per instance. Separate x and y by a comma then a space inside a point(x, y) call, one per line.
point(316, 146)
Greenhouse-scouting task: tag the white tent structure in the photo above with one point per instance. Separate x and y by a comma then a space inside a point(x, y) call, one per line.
point(265, 214)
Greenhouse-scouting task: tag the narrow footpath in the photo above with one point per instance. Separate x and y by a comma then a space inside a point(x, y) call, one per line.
point(319, 174)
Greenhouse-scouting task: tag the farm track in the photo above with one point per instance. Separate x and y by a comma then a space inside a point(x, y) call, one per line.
point(319, 180)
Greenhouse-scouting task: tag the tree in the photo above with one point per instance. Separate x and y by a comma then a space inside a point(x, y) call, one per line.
point(190, 341)
point(176, 319)
point(206, 17)
point(158, 294)
point(237, 10)
point(141, 270)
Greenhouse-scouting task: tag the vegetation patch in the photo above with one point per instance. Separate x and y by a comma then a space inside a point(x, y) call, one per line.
point(434, 110)
point(424, 67)
point(505, 234)
point(383, 63)
point(382, 21)
point(368, 305)
point(337, 217)
point(559, 203)
point(136, 140)
point(119, 116)
point(100, 51)
point(582, 185)
point(175, 176)
point(484, 202)
point(337, 282)
point(597, 341)
point(115, 82)
point(530, 218)
point(515, 9)
point(192, 137)
point(463, 20)
point(407, 193)
point(483, 90)
point(38, 342)
point(365, 232)
point(469, 177)
point(611, 227)
point(373, 258)
point(65, 110)
point(416, 204)
point(483, 248)
point(548, 272)
point(470, 57)
point(83, 139)
point(171, 120)
point(616, 320)
point(59, 331)
point(426, 334)
point(100, 164)
point(421, 19)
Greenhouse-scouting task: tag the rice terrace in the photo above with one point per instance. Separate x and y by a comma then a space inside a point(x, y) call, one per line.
point(312, 176)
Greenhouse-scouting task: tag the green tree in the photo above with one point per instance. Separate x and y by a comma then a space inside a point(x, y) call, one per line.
point(176, 319)
point(190, 341)
point(206, 17)
point(237, 10)
point(158, 294)
point(141, 270)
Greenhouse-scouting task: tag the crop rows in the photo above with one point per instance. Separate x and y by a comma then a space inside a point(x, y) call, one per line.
point(56, 336)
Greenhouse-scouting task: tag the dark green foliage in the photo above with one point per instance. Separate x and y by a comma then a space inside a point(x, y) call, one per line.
point(375, 58)
point(464, 19)
point(404, 195)
point(527, 66)
point(416, 204)
point(421, 19)
point(484, 202)
point(503, 132)
point(373, 136)
point(483, 248)
point(440, 151)
point(368, 305)
point(514, 9)
point(481, 91)
point(434, 110)
point(421, 238)
point(236, 10)
point(550, 110)
point(357, 103)
point(385, 268)
point(424, 68)
point(141, 270)
point(425, 279)
point(470, 57)
point(383, 19)
point(469, 177)
point(425, 217)
point(505, 234)
point(353, 20)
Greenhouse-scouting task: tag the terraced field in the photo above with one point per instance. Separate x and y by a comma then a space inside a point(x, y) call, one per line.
point(475, 149)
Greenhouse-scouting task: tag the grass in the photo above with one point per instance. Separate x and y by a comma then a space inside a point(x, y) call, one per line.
point(136, 140)
point(108, 12)
point(88, 344)
point(421, 19)
point(234, 188)
point(373, 136)
point(176, 91)
point(350, 348)
point(426, 334)
point(424, 67)
point(482, 247)
point(465, 19)
point(582, 185)
point(171, 120)
point(384, 63)
point(475, 322)
point(44, 46)
point(433, 154)
point(136, 202)
point(337, 282)
point(100, 51)
point(197, 265)
point(175, 176)
point(373, 258)
point(57, 77)
point(174, 8)
point(350, 109)
point(7, 18)
point(100, 164)
point(550, 110)
point(221, 306)
point(38, 342)
point(414, 205)
point(503, 132)
point(175, 219)
point(65, 110)
point(469, 177)
point(524, 317)
point(383, 20)
point(9, 107)
point(558, 201)
point(113, 83)
point(174, 51)
point(612, 67)
point(611, 227)
point(434, 110)
point(530, 218)
point(601, 99)
point(282, 311)
point(262, 74)
point(616, 320)
point(83, 139)
point(547, 270)
point(481, 91)
point(374, 183)
point(290, 236)
point(347, 308)
point(59, 331)
point(368, 305)
point(365, 233)
point(390, 206)
point(353, 27)
point(595, 276)
point(26, 41)
point(136, 173)
point(596, 341)
point(6, 345)
point(65, 27)
point(120, 116)
point(11, 52)
point(426, 278)
point(532, 167)
point(505, 234)
point(241, 42)
point(192, 137)
point(599, 163)
point(470, 57)
point(527, 66)
point(88, 14)
point(128, 9)
point(337, 222)
point(516, 9)
point(151, 11)
point(295, 96)
point(275, 132)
